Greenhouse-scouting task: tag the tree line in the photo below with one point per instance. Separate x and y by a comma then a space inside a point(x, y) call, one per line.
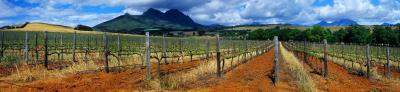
point(352, 34)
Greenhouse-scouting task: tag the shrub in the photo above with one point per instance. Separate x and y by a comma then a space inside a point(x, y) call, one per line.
point(83, 27)
point(8, 60)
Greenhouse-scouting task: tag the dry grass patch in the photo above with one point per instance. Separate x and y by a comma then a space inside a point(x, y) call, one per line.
point(303, 79)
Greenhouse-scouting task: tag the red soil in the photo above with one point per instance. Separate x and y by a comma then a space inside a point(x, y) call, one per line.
point(341, 80)
point(4, 71)
point(394, 73)
point(252, 76)
point(126, 80)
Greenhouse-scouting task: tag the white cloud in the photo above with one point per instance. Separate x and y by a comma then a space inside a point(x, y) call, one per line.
point(7, 10)
point(228, 12)
point(132, 11)
point(264, 11)
point(362, 11)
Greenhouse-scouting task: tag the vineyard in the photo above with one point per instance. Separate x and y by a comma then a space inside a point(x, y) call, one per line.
point(371, 61)
point(80, 53)
point(53, 61)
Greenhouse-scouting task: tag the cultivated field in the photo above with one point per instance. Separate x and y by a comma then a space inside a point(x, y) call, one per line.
point(85, 62)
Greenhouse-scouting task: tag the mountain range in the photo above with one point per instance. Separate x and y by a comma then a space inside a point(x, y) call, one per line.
point(388, 24)
point(153, 19)
point(342, 22)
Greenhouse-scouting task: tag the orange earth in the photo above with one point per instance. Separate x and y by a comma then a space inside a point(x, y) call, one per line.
point(341, 80)
point(254, 75)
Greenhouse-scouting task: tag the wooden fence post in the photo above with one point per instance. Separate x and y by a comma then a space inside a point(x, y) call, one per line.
point(74, 48)
point(368, 61)
point(26, 48)
point(219, 73)
point(387, 71)
point(276, 60)
point(148, 63)
point(45, 50)
point(326, 59)
point(105, 40)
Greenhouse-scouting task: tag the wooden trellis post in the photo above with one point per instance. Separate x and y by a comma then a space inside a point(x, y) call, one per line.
point(62, 47)
point(397, 58)
point(159, 61)
point(368, 61)
point(276, 60)
point(74, 48)
point(119, 48)
point(87, 49)
point(164, 50)
point(219, 70)
point(387, 72)
point(2, 44)
point(326, 59)
point(305, 51)
point(26, 48)
point(105, 52)
point(45, 50)
point(207, 48)
point(342, 54)
point(245, 48)
point(148, 63)
point(181, 48)
point(36, 48)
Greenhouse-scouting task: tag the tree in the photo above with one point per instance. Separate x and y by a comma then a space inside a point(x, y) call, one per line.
point(340, 35)
point(202, 32)
point(384, 35)
point(317, 34)
point(357, 34)
point(83, 27)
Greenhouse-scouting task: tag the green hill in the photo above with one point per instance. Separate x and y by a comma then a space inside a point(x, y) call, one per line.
point(151, 19)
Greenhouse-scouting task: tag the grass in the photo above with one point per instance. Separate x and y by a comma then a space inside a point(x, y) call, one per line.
point(303, 79)
point(39, 72)
point(39, 27)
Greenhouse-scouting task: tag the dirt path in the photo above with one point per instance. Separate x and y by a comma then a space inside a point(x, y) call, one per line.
point(341, 80)
point(252, 76)
point(126, 80)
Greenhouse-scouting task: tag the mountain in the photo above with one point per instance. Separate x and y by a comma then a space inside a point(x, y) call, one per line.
point(342, 22)
point(388, 24)
point(172, 19)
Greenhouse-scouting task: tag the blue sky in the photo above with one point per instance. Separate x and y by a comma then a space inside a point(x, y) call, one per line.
point(226, 12)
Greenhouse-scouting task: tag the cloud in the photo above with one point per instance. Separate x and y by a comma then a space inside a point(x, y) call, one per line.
point(7, 10)
point(264, 11)
point(142, 4)
point(227, 12)
point(362, 11)
point(132, 11)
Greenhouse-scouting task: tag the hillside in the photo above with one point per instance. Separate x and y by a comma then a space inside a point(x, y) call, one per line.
point(342, 22)
point(37, 26)
point(151, 19)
